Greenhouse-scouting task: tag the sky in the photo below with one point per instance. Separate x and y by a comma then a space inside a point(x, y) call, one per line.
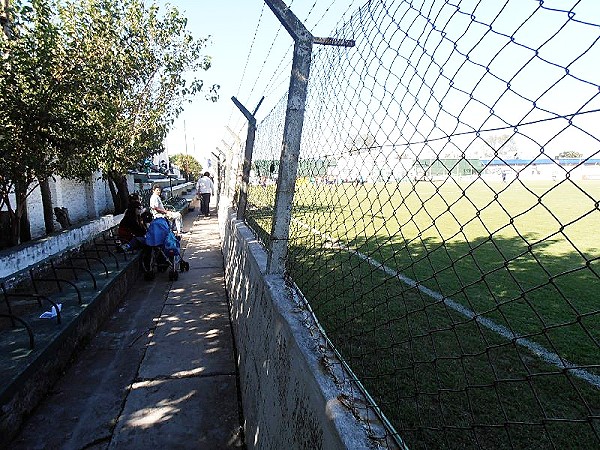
point(251, 58)
point(252, 55)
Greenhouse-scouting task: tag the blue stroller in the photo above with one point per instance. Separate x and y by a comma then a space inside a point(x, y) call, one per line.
point(162, 251)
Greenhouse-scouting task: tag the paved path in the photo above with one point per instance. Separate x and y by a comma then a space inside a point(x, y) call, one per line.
point(159, 374)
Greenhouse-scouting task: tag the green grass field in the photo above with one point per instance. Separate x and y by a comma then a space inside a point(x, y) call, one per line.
point(524, 257)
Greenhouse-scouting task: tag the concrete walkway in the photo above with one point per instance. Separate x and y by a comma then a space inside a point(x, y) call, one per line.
point(160, 373)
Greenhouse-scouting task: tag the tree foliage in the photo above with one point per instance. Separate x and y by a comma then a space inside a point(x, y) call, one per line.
point(569, 154)
point(502, 146)
point(187, 164)
point(90, 85)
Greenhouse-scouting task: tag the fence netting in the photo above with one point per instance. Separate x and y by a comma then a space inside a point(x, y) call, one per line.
point(445, 216)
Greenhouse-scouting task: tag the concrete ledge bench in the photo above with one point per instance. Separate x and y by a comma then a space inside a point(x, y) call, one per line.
point(166, 185)
point(180, 204)
point(88, 281)
point(180, 189)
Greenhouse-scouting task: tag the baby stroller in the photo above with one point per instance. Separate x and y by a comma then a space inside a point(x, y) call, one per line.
point(161, 251)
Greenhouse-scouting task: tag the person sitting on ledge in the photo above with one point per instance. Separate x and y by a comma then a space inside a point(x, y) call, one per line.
point(62, 217)
point(158, 210)
point(132, 228)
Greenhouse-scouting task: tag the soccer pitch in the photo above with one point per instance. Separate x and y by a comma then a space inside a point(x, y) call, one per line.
point(459, 305)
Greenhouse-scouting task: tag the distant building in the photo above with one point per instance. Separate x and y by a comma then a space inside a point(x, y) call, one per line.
point(542, 169)
point(445, 167)
point(365, 167)
point(379, 167)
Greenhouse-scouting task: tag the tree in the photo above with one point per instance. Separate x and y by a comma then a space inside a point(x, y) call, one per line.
point(569, 154)
point(37, 108)
point(362, 141)
point(187, 164)
point(152, 54)
point(502, 146)
point(88, 85)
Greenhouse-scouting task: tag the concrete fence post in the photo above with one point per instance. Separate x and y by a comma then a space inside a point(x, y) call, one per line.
point(292, 131)
point(219, 173)
point(243, 200)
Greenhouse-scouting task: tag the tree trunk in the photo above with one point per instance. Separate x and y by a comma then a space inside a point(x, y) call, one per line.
point(25, 225)
point(119, 191)
point(123, 190)
point(20, 221)
point(113, 193)
point(14, 230)
point(47, 205)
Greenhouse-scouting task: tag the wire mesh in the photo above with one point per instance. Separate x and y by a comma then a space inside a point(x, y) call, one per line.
point(444, 219)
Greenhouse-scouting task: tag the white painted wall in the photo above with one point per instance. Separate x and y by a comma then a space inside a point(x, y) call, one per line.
point(85, 201)
point(13, 260)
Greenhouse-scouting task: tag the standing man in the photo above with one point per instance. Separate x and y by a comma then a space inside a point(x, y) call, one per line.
point(204, 188)
point(158, 209)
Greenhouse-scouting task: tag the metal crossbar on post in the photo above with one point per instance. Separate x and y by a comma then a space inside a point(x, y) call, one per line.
point(247, 155)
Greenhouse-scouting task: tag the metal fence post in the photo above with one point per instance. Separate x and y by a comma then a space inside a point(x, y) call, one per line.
point(232, 177)
point(219, 174)
point(247, 155)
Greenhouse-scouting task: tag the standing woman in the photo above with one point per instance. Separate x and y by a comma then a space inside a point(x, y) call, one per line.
point(204, 188)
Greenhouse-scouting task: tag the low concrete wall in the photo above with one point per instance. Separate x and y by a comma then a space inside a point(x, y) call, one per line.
point(180, 189)
point(14, 259)
point(19, 395)
point(294, 392)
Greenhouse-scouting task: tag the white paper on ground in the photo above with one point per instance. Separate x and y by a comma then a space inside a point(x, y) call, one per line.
point(52, 313)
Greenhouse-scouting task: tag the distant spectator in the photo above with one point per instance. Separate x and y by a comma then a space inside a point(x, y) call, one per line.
point(163, 168)
point(204, 189)
point(62, 217)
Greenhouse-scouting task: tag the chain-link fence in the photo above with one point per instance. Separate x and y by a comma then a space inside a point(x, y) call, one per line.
point(444, 219)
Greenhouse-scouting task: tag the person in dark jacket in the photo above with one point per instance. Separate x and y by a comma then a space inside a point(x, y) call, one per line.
point(132, 229)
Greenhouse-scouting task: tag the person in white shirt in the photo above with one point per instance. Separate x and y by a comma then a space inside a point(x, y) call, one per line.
point(204, 189)
point(158, 209)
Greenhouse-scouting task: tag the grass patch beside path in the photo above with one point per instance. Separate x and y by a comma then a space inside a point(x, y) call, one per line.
point(523, 256)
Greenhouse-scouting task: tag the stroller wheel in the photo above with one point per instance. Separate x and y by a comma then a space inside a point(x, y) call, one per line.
point(187, 266)
point(173, 275)
point(183, 266)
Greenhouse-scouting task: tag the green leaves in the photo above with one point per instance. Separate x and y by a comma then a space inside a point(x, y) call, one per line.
point(187, 164)
point(91, 85)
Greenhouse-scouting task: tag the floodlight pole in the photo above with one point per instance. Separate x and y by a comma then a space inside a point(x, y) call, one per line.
point(292, 130)
point(243, 201)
